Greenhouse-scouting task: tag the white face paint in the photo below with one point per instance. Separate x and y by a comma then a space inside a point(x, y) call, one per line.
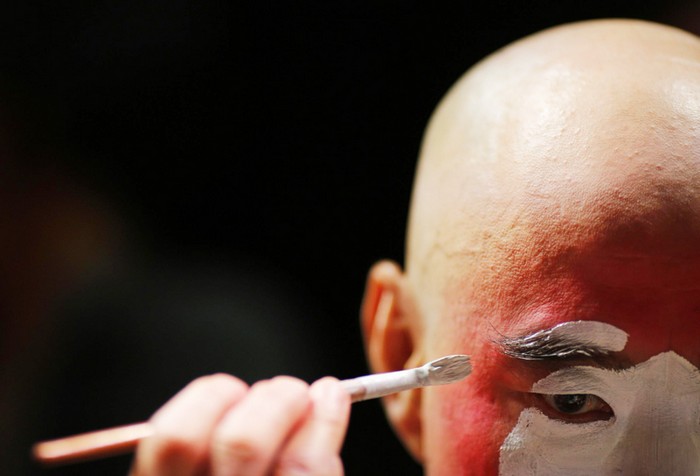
point(599, 334)
point(655, 428)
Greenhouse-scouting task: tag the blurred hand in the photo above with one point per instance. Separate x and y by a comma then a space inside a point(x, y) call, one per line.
point(219, 426)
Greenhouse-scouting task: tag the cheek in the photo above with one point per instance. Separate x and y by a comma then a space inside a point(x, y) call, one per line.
point(466, 424)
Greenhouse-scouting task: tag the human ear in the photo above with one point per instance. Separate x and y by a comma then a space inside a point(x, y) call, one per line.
point(391, 332)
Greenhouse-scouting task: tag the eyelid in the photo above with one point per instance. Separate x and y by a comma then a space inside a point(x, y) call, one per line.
point(521, 375)
point(572, 380)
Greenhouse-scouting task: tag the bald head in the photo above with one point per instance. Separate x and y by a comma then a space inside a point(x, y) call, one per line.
point(559, 183)
point(585, 132)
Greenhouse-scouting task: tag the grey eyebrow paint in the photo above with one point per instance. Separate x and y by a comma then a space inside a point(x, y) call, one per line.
point(569, 339)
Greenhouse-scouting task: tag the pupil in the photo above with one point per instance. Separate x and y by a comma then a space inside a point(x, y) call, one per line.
point(570, 403)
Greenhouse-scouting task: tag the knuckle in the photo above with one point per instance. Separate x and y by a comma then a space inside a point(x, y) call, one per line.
point(286, 379)
point(328, 380)
point(238, 452)
point(290, 465)
point(218, 382)
point(290, 384)
point(216, 388)
point(282, 386)
point(260, 384)
point(331, 419)
point(306, 465)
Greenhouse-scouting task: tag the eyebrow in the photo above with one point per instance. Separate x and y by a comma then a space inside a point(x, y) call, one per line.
point(568, 340)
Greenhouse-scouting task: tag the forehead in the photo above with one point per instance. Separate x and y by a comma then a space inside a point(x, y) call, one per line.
point(621, 247)
point(582, 207)
point(639, 274)
point(564, 176)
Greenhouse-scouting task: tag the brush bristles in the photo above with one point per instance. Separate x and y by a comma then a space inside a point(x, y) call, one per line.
point(449, 369)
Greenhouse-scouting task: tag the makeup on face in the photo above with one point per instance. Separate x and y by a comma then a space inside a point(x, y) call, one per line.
point(532, 356)
point(566, 340)
point(652, 409)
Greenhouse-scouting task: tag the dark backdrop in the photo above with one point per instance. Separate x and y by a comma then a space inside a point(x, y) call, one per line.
point(270, 140)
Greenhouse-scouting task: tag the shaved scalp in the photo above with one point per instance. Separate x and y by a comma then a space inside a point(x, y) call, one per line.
point(585, 131)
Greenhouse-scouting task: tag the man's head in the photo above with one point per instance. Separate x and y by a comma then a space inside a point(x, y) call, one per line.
point(559, 181)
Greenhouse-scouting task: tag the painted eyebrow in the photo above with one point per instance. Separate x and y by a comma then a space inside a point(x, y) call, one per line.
point(565, 341)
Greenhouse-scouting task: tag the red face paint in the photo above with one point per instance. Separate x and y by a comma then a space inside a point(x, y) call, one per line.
point(650, 288)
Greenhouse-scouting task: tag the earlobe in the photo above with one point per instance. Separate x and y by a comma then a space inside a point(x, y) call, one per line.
point(392, 342)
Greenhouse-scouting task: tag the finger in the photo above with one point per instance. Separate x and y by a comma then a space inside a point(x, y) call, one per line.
point(249, 437)
point(315, 448)
point(184, 426)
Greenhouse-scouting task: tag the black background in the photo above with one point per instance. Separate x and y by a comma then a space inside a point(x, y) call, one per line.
point(276, 138)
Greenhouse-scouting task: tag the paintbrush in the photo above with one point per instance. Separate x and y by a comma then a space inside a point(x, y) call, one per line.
point(123, 439)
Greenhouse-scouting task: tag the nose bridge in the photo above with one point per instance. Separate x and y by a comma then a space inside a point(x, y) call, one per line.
point(660, 434)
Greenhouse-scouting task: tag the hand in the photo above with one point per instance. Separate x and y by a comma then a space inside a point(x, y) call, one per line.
point(219, 426)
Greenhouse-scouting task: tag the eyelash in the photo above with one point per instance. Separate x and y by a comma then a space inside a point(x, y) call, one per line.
point(583, 407)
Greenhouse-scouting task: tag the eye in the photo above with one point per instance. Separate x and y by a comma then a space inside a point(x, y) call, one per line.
point(579, 407)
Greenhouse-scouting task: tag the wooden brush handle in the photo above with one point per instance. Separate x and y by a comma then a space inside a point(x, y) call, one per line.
point(122, 439)
point(93, 445)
